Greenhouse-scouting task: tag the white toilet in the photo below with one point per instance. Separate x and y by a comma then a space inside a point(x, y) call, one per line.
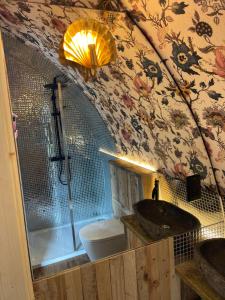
point(103, 238)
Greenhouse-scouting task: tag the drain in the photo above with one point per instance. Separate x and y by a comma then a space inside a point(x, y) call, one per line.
point(165, 226)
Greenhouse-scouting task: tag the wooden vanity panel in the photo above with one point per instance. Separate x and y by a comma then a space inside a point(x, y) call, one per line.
point(73, 285)
point(175, 285)
point(89, 282)
point(64, 286)
point(146, 273)
point(142, 273)
point(164, 269)
point(117, 277)
point(155, 286)
point(103, 277)
point(130, 275)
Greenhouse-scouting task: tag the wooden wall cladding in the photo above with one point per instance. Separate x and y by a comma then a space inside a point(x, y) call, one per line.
point(146, 273)
point(126, 189)
point(15, 276)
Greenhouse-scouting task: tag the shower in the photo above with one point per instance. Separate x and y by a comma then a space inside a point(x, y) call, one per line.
point(53, 87)
point(61, 153)
point(65, 178)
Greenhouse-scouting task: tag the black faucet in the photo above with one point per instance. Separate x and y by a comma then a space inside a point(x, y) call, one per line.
point(155, 191)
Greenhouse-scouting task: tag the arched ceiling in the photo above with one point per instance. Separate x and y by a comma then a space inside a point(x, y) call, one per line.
point(136, 96)
point(189, 37)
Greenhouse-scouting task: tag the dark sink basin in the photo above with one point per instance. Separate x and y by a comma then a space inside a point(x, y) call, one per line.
point(210, 258)
point(161, 219)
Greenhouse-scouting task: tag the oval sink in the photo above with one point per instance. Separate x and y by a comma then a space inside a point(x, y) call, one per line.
point(210, 258)
point(161, 219)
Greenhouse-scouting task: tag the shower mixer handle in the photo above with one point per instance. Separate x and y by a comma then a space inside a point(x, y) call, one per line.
point(58, 158)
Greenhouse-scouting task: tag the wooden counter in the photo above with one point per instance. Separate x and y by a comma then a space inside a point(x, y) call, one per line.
point(192, 277)
point(136, 235)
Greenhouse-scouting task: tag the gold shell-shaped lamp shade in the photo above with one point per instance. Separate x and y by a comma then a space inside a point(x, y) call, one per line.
point(89, 44)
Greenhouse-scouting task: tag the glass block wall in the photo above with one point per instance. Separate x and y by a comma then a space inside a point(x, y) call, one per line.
point(45, 198)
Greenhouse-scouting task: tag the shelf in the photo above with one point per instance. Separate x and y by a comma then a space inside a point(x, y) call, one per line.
point(192, 277)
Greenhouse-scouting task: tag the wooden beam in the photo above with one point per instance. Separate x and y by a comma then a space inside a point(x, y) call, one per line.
point(15, 275)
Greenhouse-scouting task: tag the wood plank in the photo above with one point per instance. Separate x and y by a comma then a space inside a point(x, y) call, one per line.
point(117, 277)
point(133, 241)
point(192, 277)
point(89, 284)
point(142, 273)
point(153, 263)
point(73, 285)
point(103, 280)
point(15, 274)
point(52, 288)
point(130, 277)
point(126, 187)
point(40, 289)
point(175, 287)
point(63, 286)
point(164, 269)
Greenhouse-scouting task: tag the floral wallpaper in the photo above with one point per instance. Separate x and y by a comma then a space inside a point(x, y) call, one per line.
point(145, 111)
point(110, 5)
point(189, 37)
